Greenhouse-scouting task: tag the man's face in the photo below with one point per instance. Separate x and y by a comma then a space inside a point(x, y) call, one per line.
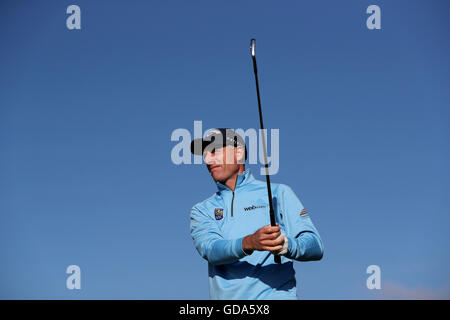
point(222, 162)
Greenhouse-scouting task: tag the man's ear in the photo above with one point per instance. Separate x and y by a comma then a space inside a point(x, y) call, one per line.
point(240, 155)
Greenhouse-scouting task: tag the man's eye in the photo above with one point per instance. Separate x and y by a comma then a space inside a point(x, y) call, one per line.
point(212, 151)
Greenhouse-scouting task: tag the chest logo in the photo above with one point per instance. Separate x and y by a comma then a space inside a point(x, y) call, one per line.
point(218, 213)
point(253, 207)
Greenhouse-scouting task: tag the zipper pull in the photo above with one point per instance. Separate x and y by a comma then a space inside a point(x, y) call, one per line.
point(232, 203)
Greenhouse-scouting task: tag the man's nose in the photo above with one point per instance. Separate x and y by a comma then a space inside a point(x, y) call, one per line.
point(209, 159)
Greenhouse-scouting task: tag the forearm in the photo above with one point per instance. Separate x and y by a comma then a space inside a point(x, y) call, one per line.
point(225, 251)
point(306, 247)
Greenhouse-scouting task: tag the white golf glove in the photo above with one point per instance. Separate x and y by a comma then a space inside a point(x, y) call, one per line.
point(283, 250)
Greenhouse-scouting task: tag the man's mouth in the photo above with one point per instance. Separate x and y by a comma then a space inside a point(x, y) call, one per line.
point(211, 169)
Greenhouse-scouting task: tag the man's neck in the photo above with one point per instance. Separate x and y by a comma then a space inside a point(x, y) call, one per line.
point(231, 181)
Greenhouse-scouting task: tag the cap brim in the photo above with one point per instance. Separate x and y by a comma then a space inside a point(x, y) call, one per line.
point(198, 145)
point(202, 144)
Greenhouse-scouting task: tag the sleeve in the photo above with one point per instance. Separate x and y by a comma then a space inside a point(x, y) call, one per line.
point(209, 241)
point(305, 243)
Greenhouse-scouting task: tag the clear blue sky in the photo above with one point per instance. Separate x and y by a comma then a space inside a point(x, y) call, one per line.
point(86, 117)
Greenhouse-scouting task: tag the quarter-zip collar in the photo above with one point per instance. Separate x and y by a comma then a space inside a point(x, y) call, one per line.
point(241, 180)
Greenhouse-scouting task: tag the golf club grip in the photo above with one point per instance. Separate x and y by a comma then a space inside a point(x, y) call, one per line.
point(277, 259)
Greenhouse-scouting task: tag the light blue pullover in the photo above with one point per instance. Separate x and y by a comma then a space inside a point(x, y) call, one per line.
point(219, 224)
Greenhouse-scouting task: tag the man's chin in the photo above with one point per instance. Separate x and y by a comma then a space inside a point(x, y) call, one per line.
point(217, 177)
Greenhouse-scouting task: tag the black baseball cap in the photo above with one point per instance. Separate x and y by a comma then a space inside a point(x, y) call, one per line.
point(218, 138)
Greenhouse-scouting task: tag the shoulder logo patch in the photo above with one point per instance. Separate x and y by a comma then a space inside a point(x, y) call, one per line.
point(218, 213)
point(303, 213)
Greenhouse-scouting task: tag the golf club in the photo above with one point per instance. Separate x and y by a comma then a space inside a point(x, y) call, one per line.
point(266, 165)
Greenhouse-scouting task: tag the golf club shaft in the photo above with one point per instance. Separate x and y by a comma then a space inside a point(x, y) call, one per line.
point(266, 165)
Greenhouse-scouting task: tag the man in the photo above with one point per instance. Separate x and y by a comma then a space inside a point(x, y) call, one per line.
point(231, 229)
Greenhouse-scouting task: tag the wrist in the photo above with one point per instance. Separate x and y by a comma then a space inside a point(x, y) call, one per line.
point(247, 245)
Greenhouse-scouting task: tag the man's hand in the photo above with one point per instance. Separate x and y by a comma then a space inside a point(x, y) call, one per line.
point(283, 251)
point(265, 239)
